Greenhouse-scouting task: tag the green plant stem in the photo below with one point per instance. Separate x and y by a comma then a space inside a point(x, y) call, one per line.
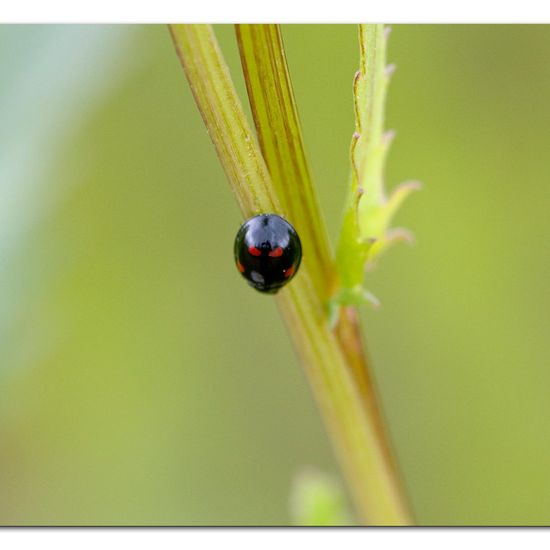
point(276, 118)
point(280, 137)
point(353, 421)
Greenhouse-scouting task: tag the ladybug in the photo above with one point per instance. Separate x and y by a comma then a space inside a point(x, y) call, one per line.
point(267, 252)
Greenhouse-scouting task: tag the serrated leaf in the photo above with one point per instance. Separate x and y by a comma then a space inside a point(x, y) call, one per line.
point(368, 213)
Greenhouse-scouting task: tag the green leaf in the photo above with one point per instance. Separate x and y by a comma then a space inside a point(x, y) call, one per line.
point(368, 212)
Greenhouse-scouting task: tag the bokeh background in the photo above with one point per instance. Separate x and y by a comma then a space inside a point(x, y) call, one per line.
point(141, 382)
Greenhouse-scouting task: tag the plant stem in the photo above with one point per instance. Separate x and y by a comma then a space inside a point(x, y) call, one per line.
point(333, 361)
point(280, 137)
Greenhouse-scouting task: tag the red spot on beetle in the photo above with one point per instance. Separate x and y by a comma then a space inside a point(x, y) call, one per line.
point(288, 272)
point(240, 266)
point(276, 252)
point(254, 251)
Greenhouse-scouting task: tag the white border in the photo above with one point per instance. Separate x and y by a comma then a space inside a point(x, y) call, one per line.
point(281, 11)
point(341, 11)
point(275, 539)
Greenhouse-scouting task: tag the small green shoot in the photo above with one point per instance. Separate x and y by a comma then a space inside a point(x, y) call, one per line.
point(317, 500)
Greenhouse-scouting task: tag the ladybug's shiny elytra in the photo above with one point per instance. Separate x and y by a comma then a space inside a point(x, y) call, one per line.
point(267, 252)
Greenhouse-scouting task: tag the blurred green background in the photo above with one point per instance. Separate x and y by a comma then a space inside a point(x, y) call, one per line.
point(141, 382)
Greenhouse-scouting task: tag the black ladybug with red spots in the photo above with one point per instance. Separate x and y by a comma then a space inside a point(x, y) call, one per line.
point(267, 252)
